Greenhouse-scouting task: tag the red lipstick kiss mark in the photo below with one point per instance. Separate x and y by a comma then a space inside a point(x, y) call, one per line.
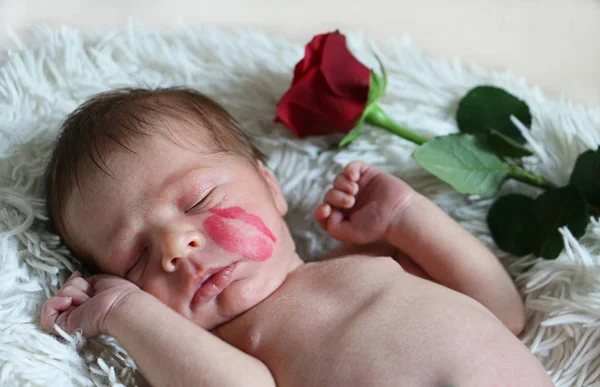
point(253, 247)
point(240, 214)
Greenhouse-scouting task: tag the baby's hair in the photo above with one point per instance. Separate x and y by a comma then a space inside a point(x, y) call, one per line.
point(116, 118)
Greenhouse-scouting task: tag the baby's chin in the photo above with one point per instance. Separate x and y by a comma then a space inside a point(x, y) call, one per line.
point(238, 298)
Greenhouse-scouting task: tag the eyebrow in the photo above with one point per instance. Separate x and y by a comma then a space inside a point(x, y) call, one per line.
point(171, 180)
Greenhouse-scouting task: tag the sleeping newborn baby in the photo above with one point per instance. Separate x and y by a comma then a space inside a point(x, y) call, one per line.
point(165, 198)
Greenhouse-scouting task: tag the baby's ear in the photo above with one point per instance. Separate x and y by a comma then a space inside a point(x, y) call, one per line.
point(274, 187)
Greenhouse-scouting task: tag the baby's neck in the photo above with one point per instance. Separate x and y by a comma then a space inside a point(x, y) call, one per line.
point(294, 263)
point(241, 330)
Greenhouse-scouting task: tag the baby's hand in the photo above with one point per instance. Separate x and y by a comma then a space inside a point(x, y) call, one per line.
point(362, 204)
point(84, 303)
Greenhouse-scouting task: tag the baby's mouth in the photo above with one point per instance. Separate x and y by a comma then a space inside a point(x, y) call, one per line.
point(213, 283)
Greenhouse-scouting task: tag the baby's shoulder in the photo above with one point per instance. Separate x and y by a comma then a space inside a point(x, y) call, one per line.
point(340, 269)
point(375, 249)
point(358, 260)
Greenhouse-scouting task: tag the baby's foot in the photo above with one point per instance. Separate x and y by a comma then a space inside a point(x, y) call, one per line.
point(362, 204)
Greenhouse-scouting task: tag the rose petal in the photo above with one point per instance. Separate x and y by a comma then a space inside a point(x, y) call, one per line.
point(309, 108)
point(312, 57)
point(329, 90)
point(306, 123)
point(346, 76)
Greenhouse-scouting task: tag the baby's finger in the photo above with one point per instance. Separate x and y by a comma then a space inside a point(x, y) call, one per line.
point(343, 183)
point(337, 198)
point(80, 283)
point(62, 320)
point(77, 295)
point(322, 212)
point(334, 221)
point(52, 310)
point(354, 169)
point(340, 228)
point(73, 276)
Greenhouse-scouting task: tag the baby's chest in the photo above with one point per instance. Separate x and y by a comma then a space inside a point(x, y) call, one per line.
point(351, 327)
point(317, 302)
point(341, 327)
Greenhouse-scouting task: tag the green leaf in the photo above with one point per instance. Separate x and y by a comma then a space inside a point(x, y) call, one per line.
point(586, 176)
point(383, 73)
point(353, 134)
point(463, 162)
point(521, 225)
point(505, 146)
point(564, 206)
point(375, 88)
point(378, 84)
point(487, 108)
point(508, 220)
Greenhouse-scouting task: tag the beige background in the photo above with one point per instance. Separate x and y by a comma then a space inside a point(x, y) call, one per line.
point(553, 43)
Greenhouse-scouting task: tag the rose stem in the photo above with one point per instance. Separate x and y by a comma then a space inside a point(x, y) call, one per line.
point(523, 176)
point(378, 117)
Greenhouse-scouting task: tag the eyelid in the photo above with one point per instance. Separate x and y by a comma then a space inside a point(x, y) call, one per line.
point(197, 204)
point(200, 202)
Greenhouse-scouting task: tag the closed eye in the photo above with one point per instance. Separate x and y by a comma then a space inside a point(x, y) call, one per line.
point(198, 204)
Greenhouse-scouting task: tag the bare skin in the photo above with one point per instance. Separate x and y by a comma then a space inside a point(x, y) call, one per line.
point(444, 315)
point(379, 323)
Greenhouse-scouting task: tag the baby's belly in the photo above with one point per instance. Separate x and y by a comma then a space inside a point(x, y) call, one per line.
point(365, 322)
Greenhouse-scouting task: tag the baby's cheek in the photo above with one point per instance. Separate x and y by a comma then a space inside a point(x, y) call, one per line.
point(254, 247)
point(159, 292)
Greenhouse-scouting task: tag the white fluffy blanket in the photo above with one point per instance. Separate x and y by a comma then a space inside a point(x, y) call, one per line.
point(53, 70)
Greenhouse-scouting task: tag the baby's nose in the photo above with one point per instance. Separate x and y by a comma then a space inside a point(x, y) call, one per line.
point(178, 246)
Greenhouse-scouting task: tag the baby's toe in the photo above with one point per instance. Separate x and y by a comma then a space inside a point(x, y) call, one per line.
point(337, 198)
point(344, 184)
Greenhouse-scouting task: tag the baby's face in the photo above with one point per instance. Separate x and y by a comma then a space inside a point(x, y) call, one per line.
point(202, 232)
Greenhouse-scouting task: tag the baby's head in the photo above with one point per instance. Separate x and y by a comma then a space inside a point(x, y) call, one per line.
point(163, 188)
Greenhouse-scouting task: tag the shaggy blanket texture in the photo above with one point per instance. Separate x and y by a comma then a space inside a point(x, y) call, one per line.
point(52, 71)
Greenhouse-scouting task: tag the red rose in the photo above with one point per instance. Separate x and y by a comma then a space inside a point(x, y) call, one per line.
point(329, 91)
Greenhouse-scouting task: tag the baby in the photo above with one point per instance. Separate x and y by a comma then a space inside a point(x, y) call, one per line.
point(163, 194)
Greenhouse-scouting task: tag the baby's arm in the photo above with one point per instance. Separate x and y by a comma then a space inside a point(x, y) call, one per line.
point(367, 205)
point(453, 257)
point(170, 350)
